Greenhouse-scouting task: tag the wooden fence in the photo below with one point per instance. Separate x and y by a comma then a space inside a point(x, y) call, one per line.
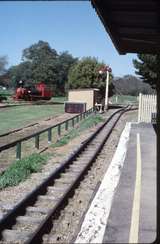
point(147, 106)
point(17, 143)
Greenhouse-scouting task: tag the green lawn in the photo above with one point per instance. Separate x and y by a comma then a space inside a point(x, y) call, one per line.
point(20, 170)
point(19, 116)
point(8, 94)
point(123, 99)
point(59, 99)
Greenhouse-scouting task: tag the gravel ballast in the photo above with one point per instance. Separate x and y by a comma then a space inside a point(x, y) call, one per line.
point(70, 219)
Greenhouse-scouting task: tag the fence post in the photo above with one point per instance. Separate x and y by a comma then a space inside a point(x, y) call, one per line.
point(77, 118)
point(72, 122)
point(18, 150)
point(139, 107)
point(66, 125)
point(59, 130)
point(37, 141)
point(49, 135)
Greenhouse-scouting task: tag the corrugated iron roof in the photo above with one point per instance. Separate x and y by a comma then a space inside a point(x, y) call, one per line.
point(133, 25)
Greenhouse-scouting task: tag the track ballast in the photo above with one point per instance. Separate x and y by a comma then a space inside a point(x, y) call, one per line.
point(33, 216)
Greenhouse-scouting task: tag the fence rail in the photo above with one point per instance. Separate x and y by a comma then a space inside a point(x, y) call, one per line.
point(36, 135)
point(147, 106)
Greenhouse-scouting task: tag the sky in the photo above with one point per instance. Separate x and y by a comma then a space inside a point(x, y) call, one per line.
point(71, 26)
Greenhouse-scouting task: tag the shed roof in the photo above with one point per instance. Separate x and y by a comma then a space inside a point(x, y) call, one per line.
point(133, 25)
point(84, 89)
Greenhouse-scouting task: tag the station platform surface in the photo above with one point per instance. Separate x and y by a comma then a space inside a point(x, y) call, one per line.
point(131, 216)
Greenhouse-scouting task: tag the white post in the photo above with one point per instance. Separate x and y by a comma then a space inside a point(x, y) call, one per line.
point(139, 107)
point(106, 94)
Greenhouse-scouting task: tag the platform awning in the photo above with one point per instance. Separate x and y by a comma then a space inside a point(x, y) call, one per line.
point(133, 25)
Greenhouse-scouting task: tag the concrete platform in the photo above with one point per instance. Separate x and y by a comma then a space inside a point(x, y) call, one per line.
point(124, 218)
point(131, 218)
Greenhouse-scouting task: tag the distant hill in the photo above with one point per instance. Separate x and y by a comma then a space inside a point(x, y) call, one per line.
point(131, 85)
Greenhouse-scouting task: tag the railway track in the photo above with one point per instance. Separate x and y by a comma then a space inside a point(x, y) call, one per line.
point(33, 216)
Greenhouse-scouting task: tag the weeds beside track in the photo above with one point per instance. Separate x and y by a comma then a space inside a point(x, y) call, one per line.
point(76, 166)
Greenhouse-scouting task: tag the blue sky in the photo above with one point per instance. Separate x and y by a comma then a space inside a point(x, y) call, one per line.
point(66, 25)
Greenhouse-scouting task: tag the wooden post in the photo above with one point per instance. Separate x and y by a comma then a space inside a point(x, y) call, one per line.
point(49, 135)
point(18, 150)
point(106, 93)
point(66, 125)
point(139, 107)
point(37, 141)
point(59, 130)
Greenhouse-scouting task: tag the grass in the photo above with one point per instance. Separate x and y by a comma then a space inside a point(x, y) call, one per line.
point(10, 100)
point(123, 99)
point(19, 116)
point(82, 126)
point(6, 92)
point(59, 99)
point(21, 169)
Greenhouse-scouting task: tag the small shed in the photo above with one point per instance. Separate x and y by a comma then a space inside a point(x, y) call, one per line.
point(88, 96)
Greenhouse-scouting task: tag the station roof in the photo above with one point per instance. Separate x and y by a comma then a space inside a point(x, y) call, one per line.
point(133, 25)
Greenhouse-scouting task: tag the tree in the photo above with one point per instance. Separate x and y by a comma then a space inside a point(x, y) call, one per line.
point(64, 63)
point(84, 74)
point(22, 71)
point(42, 63)
point(3, 63)
point(43, 60)
point(147, 67)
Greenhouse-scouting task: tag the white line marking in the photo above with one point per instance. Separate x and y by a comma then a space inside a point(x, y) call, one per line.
point(134, 229)
point(93, 227)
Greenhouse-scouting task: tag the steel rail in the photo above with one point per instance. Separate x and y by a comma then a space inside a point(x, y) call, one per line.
point(36, 237)
point(10, 218)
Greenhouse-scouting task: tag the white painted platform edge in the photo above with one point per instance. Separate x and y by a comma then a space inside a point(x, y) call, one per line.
point(94, 224)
